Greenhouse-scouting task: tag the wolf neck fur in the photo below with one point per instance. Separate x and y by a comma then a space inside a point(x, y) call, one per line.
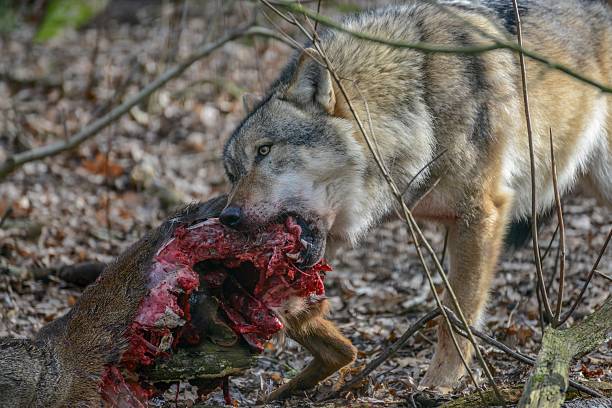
point(402, 135)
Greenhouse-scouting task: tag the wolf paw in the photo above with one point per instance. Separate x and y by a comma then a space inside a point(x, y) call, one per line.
point(283, 392)
point(440, 379)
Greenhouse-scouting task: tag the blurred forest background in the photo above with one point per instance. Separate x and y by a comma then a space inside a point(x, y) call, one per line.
point(65, 63)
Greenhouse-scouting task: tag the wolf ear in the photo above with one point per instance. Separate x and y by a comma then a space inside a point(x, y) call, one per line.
point(249, 101)
point(311, 83)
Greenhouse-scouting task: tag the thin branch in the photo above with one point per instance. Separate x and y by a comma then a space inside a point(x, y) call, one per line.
point(540, 310)
point(425, 194)
point(588, 280)
point(534, 209)
point(412, 225)
point(446, 230)
point(552, 239)
point(561, 256)
point(554, 270)
point(390, 351)
point(603, 275)
point(318, 12)
point(437, 48)
point(287, 37)
point(7, 213)
point(427, 165)
point(13, 162)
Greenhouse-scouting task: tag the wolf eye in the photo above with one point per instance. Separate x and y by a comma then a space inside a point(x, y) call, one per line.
point(264, 150)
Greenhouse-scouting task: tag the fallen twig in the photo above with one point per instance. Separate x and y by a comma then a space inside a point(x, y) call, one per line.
point(390, 351)
point(18, 83)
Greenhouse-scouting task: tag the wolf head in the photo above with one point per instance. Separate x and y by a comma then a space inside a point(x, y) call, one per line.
point(293, 156)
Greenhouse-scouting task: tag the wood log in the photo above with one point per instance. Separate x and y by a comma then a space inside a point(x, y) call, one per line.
point(32, 375)
point(512, 394)
point(590, 403)
point(207, 360)
point(548, 382)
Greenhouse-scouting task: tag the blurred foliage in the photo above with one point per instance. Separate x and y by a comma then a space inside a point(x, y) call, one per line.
point(62, 14)
point(8, 16)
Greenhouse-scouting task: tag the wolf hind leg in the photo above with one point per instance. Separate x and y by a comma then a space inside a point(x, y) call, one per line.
point(474, 246)
point(331, 351)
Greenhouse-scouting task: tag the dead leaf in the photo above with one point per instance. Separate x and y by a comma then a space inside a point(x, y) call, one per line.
point(100, 165)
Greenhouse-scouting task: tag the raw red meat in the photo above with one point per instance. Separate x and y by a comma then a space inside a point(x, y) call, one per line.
point(227, 260)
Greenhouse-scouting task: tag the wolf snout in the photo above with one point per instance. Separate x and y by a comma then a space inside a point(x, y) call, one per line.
point(231, 216)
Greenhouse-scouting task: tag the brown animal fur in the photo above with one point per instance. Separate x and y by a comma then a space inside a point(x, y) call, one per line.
point(62, 366)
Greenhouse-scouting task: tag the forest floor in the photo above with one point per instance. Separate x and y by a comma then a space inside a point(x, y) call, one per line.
point(91, 203)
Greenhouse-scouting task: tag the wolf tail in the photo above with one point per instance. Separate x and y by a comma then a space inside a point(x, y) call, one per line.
point(519, 233)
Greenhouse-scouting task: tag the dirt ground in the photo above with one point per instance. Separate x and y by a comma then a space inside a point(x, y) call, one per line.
point(91, 203)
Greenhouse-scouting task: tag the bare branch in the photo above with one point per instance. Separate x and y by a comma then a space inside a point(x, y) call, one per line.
point(561, 256)
point(427, 165)
point(13, 162)
point(534, 209)
point(318, 12)
point(407, 216)
point(588, 280)
point(552, 239)
point(389, 352)
point(496, 44)
point(603, 275)
point(7, 213)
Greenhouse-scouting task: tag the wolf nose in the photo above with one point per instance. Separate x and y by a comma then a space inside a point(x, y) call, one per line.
point(231, 216)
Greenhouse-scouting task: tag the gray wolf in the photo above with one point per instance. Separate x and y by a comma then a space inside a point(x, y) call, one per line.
point(299, 151)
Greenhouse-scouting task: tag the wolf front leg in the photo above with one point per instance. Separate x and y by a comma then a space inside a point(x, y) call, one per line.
point(474, 245)
point(331, 351)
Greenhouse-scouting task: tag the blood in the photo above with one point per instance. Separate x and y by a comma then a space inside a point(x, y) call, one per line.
point(227, 397)
point(119, 393)
point(250, 275)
